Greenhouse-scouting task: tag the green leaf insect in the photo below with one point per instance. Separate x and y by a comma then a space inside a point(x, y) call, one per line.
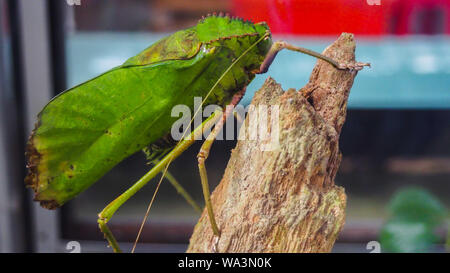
point(85, 131)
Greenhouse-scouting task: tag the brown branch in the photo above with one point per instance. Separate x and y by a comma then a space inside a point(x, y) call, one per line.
point(285, 200)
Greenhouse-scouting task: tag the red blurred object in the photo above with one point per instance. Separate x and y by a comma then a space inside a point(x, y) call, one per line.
point(420, 17)
point(329, 17)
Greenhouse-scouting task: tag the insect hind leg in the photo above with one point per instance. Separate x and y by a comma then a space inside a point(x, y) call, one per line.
point(106, 214)
point(107, 233)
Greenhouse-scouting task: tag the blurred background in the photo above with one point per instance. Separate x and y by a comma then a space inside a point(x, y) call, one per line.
point(397, 132)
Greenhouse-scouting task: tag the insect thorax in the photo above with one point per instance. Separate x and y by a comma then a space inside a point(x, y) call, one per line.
point(237, 35)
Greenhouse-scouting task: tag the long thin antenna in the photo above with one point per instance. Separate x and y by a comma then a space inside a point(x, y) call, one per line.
point(184, 134)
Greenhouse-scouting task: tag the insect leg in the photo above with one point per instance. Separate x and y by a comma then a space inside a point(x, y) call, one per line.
point(106, 214)
point(280, 45)
point(179, 188)
point(203, 155)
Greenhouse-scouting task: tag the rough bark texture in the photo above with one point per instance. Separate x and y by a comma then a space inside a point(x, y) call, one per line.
point(285, 200)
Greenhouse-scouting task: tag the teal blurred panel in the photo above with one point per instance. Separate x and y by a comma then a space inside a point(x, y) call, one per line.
point(410, 72)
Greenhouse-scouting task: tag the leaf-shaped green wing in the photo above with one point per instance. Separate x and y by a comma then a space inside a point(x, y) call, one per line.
point(84, 132)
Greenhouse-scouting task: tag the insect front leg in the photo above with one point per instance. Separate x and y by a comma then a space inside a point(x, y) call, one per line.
point(203, 155)
point(106, 214)
point(280, 45)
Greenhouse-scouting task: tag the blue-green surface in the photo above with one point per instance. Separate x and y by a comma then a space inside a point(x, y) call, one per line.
point(411, 72)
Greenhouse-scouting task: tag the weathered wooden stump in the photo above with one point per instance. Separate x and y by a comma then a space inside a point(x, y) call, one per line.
point(284, 199)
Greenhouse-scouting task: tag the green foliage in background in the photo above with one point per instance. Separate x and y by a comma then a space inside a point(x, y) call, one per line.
point(414, 216)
